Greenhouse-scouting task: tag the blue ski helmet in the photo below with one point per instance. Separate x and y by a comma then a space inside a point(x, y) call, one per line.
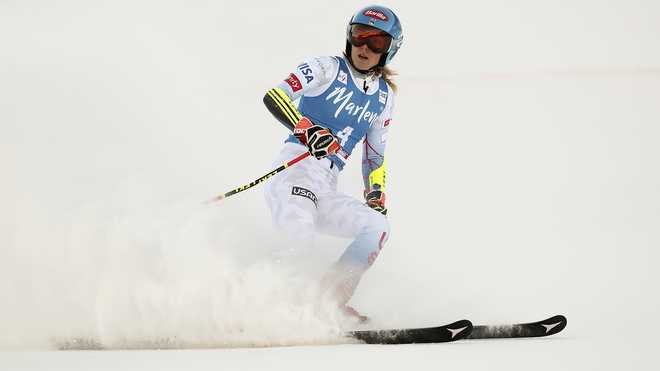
point(383, 19)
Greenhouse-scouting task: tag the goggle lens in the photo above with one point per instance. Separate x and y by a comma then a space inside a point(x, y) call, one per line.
point(376, 40)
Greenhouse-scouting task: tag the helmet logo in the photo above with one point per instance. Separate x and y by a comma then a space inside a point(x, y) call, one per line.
point(375, 14)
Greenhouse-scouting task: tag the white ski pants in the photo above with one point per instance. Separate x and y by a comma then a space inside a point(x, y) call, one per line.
point(304, 200)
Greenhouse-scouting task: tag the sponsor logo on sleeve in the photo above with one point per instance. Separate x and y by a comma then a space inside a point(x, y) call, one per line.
point(342, 77)
point(303, 192)
point(294, 83)
point(382, 96)
point(306, 70)
point(375, 14)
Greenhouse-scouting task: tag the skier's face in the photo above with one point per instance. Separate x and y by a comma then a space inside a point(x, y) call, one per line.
point(363, 57)
point(368, 45)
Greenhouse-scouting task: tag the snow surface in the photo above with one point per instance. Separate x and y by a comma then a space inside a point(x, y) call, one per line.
point(523, 183)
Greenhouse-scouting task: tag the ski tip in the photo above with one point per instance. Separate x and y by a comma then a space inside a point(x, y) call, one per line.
point(554, 324)
point(459, 329)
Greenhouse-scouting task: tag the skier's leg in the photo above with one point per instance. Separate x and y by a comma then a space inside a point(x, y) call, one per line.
point(292, 194)
point(344, 216)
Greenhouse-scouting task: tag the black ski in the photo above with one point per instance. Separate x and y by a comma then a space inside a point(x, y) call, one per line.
point(441, 334)
point(546, 327)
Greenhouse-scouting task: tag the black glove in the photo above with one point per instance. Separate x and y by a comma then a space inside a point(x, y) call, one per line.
point(376, 201)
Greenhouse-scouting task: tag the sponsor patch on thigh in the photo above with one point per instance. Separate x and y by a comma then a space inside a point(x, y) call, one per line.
point(304, 192)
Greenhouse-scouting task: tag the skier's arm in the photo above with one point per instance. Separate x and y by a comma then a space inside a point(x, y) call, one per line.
point(312, 76)
point(374, 166)
point(281, 107)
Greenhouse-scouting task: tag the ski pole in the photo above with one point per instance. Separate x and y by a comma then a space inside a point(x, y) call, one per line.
point(261, 179)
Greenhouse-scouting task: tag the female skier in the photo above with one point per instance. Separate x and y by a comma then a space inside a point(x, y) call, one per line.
point(343, 100)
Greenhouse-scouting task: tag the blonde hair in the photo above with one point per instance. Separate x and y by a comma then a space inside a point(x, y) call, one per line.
point(387, 73)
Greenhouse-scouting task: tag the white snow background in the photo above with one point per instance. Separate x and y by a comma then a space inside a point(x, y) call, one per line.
point(523, 182)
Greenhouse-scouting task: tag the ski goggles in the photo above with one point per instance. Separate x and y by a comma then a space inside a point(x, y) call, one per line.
point(376, 40)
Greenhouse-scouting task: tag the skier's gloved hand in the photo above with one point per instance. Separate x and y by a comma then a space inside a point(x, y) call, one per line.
point(376, 200)
point(319, 140)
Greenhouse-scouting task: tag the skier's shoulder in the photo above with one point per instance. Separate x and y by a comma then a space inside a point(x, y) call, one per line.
point(325, 67)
